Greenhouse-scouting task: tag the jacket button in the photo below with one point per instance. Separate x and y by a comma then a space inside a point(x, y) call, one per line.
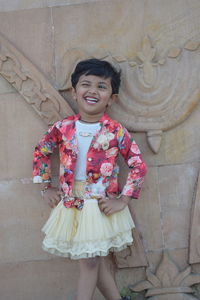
point(89, 159)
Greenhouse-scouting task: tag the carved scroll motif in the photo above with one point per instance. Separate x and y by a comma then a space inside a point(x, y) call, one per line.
point(195, 228)
point(157, 93)
point(31, 84)
point(168, 282)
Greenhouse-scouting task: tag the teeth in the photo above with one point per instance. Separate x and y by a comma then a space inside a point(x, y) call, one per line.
point(91, 100)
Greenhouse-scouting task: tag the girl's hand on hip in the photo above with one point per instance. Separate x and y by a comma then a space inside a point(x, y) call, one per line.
point(52, 196)
point(112, 204)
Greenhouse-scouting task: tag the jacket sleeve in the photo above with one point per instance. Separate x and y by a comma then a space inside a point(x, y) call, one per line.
point(42, 153)
point(133, 158)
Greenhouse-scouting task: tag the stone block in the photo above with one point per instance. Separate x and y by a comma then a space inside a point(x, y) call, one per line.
point(182, 26)
point(95, 28)
point(146, 210)
point(23, 213)
point(16, 151)
point(176, 185)
point(30, 31)
point(179, 256)
point(28, 4)
point(41, 280)
point(129, 276)
point(6, 87)
point(179, 145)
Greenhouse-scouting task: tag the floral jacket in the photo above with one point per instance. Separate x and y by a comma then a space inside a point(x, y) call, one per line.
point(101, 167)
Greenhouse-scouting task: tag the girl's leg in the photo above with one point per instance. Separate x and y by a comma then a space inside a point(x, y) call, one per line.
point(89, 269)
point(106, 283)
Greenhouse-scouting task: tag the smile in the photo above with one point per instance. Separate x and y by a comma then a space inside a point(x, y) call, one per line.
point(91, 100)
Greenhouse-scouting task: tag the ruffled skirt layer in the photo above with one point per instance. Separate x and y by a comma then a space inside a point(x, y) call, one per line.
point(88, 232)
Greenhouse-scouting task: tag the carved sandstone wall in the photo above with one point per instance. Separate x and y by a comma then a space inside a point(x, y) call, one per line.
point(157, 46)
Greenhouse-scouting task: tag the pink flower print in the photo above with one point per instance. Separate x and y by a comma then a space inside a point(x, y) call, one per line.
point(133, 160)
point(66, 161)
point(135, 149)
point(65, 187)
point(105, 145)
point(111, 152)
point(127, 190)
point(106, 169)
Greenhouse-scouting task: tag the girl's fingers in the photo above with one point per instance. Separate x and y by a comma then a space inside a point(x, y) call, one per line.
point(102, 201)
point(51, 204)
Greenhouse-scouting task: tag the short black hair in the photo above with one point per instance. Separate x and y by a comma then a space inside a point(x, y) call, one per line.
point(99, 68)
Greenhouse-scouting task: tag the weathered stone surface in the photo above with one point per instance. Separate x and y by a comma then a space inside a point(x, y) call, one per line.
point(147, 211)
point(31, 84)
point(170, 25)
point(157, 44)
point(19, 136)
point(109, 24)
point(5, 86)
point(168, 281)
point(176, 193)
point(180, 256)
point(195, 227)
point(179, 145)
point(23, 213)
point(41, 280)
point(31, 32)
point(28, 4)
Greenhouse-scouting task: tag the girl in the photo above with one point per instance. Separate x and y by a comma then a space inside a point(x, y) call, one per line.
point(90, 215)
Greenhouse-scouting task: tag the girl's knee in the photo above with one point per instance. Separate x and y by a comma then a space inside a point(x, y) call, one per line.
point(90, 263)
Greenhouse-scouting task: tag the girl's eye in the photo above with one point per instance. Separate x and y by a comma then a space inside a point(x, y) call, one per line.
point(102, 87)
point(85, 84)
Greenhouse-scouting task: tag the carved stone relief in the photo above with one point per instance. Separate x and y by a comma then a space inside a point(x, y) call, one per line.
point(168, 282)
point(133, 256)
point(157, 93)
point(194, 256)
point(51, 107)
point(31, 84)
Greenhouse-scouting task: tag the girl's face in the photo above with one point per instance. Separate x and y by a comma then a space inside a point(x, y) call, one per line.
point(93, 94)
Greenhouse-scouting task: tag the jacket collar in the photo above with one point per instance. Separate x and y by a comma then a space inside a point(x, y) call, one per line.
point(105, 119)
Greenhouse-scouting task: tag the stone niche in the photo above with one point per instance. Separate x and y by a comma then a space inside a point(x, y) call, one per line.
point(156, 44)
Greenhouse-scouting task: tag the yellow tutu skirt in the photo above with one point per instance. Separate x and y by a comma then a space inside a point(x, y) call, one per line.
point(88, 232)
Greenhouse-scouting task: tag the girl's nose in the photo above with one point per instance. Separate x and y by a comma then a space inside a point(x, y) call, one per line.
point(92, 90)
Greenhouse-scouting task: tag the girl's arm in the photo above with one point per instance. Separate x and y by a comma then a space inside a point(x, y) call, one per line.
point(42, 153)
point(113, 204)
point(133, 158)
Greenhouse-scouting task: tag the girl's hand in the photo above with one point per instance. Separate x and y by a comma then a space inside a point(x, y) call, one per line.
point(52, 196)
point(113, 205)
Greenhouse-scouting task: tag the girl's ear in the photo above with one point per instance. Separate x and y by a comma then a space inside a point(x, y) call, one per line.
point(113, 98)
point(73, 92)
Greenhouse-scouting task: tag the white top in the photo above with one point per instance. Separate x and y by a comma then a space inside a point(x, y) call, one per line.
point(84, 133)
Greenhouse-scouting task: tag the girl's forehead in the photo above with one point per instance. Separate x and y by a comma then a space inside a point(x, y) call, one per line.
point(94, 79)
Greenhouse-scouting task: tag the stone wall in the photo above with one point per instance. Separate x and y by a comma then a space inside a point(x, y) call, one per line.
point(157, 46)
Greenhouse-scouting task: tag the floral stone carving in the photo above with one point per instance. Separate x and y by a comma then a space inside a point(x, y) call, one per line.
point(168, 282)
point(31, 84)
point(154, 96)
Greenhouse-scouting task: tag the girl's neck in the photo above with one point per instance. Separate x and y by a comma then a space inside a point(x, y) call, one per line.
point(86, 122)
point(91, 118)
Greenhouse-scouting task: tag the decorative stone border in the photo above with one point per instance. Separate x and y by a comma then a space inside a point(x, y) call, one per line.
point(31, 84)
point(168, 282)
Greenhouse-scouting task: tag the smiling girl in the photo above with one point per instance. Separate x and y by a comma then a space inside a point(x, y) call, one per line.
point(90, 216)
